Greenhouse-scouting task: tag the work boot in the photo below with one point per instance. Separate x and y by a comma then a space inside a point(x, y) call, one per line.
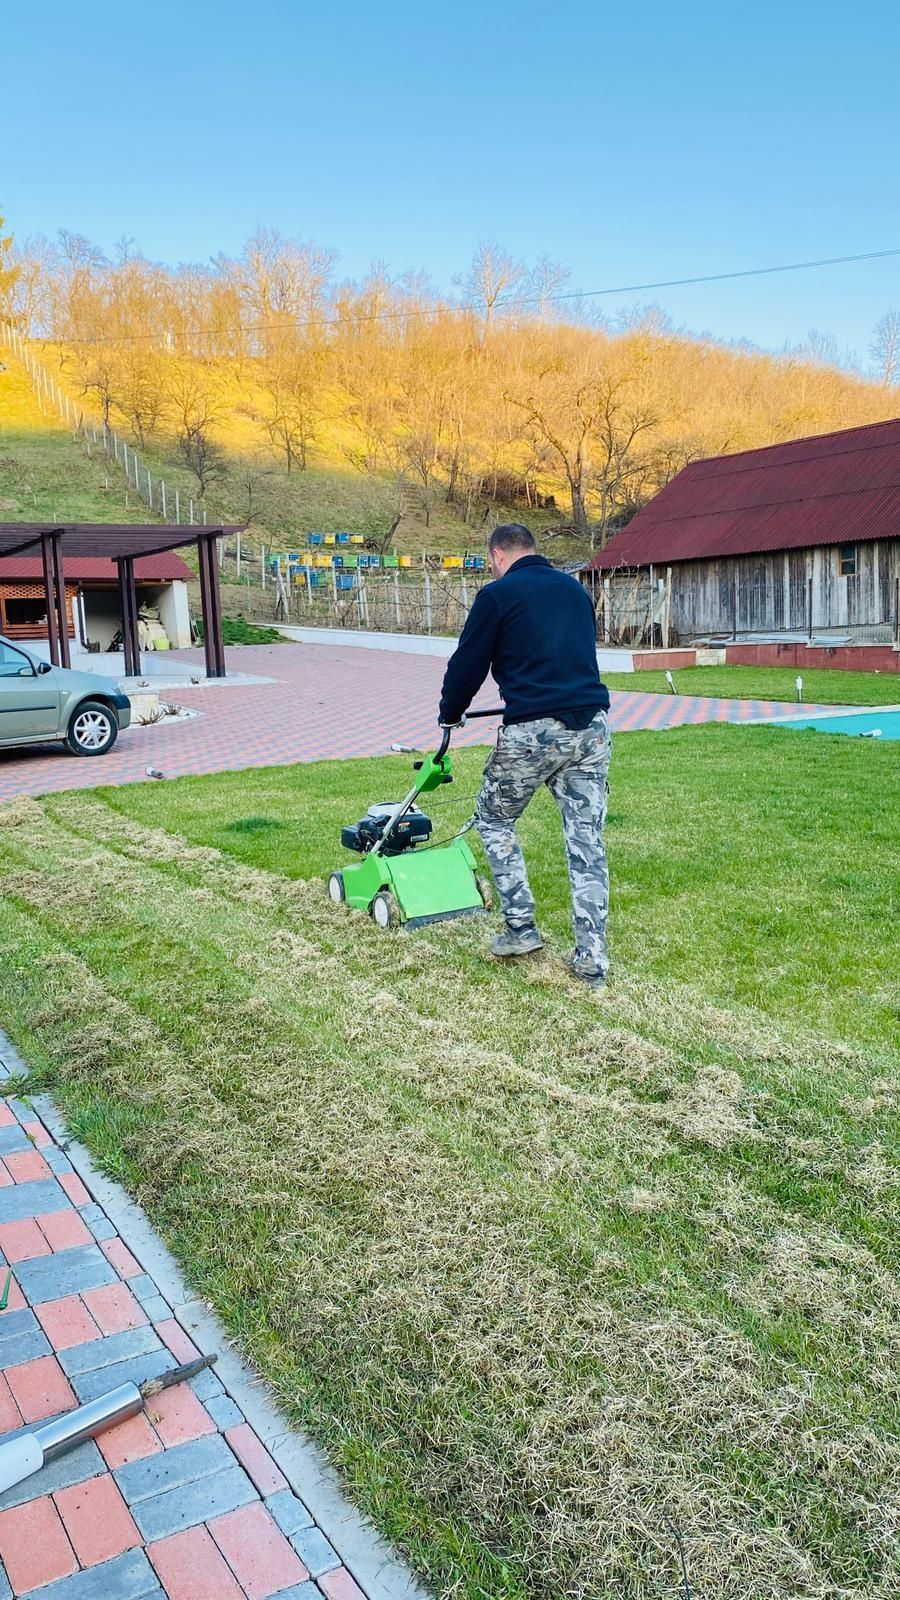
point(585, 973)
point(517, 941)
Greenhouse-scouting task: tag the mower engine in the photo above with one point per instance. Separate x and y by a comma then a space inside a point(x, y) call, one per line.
point(413, 828)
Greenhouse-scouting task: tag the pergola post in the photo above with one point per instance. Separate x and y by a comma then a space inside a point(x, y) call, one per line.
point(48, 559)
point(211, 605)
point(61, 610)
point(131, 641)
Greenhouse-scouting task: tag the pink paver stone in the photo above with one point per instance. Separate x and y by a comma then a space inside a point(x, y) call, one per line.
point(257, 1551)
point(66, 1322)
point(26, 1166)
point(178, 1416)
point(120, 1257)
point(131, 1440)
point(190, 1567)
point(21, 1241)
point(40, 1388)
point(64, 1230)
point(339, 1585)
point(114, 1308)
point(255, 1459)
point(173, 1334)
point(97, 1520)
point(33, 1545)
point(74, 1188)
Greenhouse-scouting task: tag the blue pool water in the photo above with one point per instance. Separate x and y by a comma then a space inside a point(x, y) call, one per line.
point(882, 724)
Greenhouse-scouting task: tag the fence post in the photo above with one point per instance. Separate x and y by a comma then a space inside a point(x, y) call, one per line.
point(162, 490)
point(191, 511)
point(397, 615)
point(177, 507)
point(427, 601)
point(149, 490)
point(667, 608)
point(464, 593)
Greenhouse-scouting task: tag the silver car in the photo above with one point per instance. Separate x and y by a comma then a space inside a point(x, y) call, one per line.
point(40, 703)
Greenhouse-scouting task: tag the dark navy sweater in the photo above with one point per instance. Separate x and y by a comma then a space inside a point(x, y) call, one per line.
point(534, 629)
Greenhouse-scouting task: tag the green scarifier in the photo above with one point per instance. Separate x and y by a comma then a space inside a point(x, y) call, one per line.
point(398, 883)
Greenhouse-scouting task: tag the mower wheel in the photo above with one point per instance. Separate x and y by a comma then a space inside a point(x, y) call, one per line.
point(384, 910)
point(336, 890)
point(485, 889)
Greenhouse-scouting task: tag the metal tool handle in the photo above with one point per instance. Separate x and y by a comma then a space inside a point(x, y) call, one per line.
point(76, 1426)
point(490, 711)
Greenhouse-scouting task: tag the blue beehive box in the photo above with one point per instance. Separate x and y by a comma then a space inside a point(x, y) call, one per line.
point(363, 561)
point(342, 538)
point(374, 561)
point(314, 538)
point(346, 580)
point(337, 561)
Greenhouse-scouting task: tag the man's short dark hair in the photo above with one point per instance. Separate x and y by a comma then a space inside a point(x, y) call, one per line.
point(512, 536)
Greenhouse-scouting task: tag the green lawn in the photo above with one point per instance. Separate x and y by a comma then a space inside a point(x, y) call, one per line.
point(820, 686)
point(548, 1273)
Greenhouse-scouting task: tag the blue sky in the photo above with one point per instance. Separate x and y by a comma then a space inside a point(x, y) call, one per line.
point(632, 144)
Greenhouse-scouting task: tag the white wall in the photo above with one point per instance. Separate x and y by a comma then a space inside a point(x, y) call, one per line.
point(421, 644)
point(174, 611)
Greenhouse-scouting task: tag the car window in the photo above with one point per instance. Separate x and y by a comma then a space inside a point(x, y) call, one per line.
point(12, 661)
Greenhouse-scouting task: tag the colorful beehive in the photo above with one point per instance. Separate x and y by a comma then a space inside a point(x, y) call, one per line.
point(450, 562)
point(357, 538)
point(337, 561)
point(342, 538)
point(314, 538)
point(329, 538)
point(390, 561)
point(322, 561)
point(374, 561)
point(405, 561)
point(346, 580)
point(351, 561)
point(474, 563)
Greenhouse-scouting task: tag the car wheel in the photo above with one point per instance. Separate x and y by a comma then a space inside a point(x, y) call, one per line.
point(336, 890)
point(385, 911)
point(93, 729)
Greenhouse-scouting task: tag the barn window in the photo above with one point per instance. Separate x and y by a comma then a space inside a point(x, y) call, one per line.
point(848, 560)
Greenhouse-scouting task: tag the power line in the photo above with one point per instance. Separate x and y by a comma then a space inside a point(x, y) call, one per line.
point(515, 300)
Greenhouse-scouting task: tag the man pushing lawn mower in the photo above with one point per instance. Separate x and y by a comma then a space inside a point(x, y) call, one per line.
point(533, 628)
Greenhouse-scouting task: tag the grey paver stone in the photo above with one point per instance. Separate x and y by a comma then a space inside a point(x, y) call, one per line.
point(289, 1512)
point(225, 1413)
point(5, 1590)
point(13, 1139)
point(56, 1159)
point(299, 1591)
point(103, 1352)
point(193, 1503)
point(207, 1386)
point(143, 1287)
point(21, 1338)
point(97, 1220)
point(158, 1309)
point(128, 1577)
point(91, 1385)
point(25, 1113)
point(21, 1200)
point(67, 1272)
point(314, 1551)
point(75, 1467)
point(138, 1480)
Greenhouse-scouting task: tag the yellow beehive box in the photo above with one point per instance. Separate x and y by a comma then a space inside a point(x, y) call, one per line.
point(329, 538)
point(357, 538)
point(406, 561)
point(452, 561)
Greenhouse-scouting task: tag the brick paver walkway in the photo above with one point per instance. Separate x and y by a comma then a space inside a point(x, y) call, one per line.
point(184, 1501)
point(325, 702)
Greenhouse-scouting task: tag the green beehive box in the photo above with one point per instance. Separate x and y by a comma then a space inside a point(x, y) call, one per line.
point(351, 561)
point(390, 561)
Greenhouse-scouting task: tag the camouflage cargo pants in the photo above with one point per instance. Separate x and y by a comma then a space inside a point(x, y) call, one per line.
point(573, 763)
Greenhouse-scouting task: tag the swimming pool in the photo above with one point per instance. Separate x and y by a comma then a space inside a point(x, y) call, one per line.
point(864, 724)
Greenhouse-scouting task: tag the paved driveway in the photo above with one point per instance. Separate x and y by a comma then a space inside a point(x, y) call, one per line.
point(324, 701)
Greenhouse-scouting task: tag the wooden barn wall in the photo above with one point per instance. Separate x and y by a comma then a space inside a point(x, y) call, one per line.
point(770, 593)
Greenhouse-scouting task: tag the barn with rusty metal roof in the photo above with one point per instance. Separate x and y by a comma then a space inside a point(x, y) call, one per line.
point(793, 541)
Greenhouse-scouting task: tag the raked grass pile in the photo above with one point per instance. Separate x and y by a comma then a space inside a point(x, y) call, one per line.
point(551, 1275)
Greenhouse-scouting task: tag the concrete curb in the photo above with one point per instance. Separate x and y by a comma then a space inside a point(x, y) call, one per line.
point(361, 1548)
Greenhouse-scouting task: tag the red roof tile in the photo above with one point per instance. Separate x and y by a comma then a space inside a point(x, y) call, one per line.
point(835, 488)
point(163, 568)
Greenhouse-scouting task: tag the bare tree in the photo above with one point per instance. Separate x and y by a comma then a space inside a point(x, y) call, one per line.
point(494, 281)
point(292, 411)
point(196, 408)
point(885, 348)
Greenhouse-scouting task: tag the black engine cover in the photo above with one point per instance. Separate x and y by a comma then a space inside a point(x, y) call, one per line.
point(414, 829)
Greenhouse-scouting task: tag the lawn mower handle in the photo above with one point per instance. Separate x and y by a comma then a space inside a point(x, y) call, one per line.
point(448, 727)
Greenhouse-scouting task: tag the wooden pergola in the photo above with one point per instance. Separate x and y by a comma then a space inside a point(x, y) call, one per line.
point(124, 543)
